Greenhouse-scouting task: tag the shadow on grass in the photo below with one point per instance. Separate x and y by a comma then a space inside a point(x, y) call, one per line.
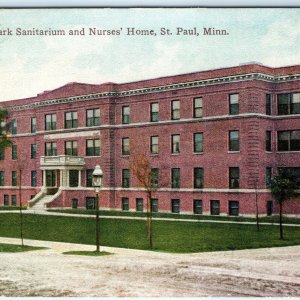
point(87, 253)
point(18, 248)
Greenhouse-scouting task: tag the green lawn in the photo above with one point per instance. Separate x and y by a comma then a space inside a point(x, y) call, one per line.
point(271, 219)
point(11, 208)
point(167, 236)
point(17, 248)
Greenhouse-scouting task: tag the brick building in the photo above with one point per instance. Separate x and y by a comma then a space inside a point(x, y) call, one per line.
point(214, 137)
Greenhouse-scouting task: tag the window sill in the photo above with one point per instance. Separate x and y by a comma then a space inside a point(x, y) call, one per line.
point(294, 151)
point(198, 153)
point(154, 154)
point(233, 152)
point(175, 153)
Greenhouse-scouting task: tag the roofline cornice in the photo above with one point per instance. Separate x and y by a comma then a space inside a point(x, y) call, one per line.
point(160, 88)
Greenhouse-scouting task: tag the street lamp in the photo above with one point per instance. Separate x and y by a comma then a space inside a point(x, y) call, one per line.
point(97, 183)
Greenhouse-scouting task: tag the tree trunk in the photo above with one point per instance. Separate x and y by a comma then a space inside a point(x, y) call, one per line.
point(149, 221)
point(280, 220)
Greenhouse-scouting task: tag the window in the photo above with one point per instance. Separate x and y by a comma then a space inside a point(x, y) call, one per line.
point(214, 207)
point(198, 142)
point(71, 119)
point(73, 178)
point(268, 141)
point(1, 178)
point(6, 200)
point(269, 208)
point(125, 178)
point(233, 208)
point(268, 104)
point(175, 206)
point(93, 147)
point(234, 178)
point(139, 204)
point(154, 177)
point(93, 117)
point(13, 200)
point(90, 202)
point(33, 125)
point(50, 149)
point(14, 152)
point(74, 203)
point(2, 154)
point(197, 108)
point(289, 140)
point(198, 178)
point(125, 114)
point(288, 104)
point(197, 206)
point(234, 104)
point(14, 178)
point(293, 172)
point(175, 178)
point(154, 144)
point(268, 176)
point(125, 203)
point(175, 110)
point(33, 178)
point(89, 178)
point(234, 140)
point(14, 127)
point(125, 146)
point(154, 112)
point(154, 205)
point(33, 151)
point(71, 148)
point(175, 143)
point(50, 122)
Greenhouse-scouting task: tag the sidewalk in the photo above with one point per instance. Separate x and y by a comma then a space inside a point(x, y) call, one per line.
point(142, 218)
point(265, 272)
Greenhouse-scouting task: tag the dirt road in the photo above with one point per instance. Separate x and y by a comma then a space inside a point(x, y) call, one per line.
point(135, 273)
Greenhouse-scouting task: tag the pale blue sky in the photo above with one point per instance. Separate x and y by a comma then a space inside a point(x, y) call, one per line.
point(30, 65)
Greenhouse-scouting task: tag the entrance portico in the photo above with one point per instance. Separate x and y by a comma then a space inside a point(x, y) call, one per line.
point(60, 172)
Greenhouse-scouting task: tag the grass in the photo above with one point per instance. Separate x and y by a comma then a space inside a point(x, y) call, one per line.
point(17, 248)
point(270, 219)
point(167, 236)
point(11, 208)
point(88, 253)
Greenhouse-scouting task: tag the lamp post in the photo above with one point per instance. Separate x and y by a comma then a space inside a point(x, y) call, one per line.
point(256, 204)
point(97, 183)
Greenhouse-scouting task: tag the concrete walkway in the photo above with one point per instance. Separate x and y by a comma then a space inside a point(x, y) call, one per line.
point(268, 272)
point(49, 213)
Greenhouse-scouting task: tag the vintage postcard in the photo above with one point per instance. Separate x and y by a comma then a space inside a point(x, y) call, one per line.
point(150, 152)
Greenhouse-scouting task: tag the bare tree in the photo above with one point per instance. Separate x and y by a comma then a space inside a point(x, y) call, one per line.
point(148, 179)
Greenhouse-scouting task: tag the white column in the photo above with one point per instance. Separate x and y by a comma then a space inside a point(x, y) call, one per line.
point(44, 178)
point(60, 178)
point(64, 181)
point(79, 178)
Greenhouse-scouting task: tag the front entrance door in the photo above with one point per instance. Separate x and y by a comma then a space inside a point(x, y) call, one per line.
point(51, 178)
point(51, 182)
